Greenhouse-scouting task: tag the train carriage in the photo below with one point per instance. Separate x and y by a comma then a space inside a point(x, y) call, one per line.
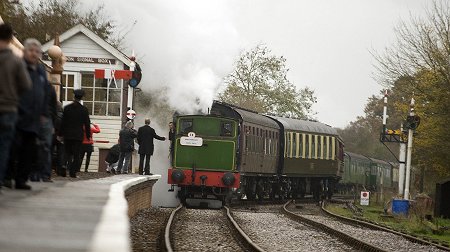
point(380, 174)
point(365, 173)
point(258, 157)
point(312, 155)
point(356, 173)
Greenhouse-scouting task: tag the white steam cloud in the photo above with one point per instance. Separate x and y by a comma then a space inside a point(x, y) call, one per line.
point(185, 48)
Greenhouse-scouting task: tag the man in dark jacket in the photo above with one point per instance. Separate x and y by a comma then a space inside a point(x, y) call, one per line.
point(14, 81)
point(45, 136)
point(126, 138)
point(172, 139)
point(75, 117)
point(146, 134)
point(31, 107)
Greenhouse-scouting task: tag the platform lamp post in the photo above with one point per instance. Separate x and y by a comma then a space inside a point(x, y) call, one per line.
point(58, 60)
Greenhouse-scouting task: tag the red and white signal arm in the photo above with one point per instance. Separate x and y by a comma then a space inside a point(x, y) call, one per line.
point(113, 74)
point(364, 198)
point(131, 114)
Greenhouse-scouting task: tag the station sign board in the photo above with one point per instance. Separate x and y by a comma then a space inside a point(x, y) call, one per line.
point(191, 140)
point(364, 198)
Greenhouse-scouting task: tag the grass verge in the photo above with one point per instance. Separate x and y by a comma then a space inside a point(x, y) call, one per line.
point(438, 229)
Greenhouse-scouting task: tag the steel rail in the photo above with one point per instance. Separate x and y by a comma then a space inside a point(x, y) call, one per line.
point(352, 241)
point(167, 244)
point(245, 237)
point(386, 229)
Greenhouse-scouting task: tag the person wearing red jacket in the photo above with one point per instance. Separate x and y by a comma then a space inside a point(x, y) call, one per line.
point(87, 146)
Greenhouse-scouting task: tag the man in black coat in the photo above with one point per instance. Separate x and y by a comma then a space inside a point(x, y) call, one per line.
point(172, 139)
point(75, 117)
point(126, 142)
point(146, 134)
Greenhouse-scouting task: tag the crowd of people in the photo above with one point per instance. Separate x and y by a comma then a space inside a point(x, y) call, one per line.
point(33, 123)
point(37, 133)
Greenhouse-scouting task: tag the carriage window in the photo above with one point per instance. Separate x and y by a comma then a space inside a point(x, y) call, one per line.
point(300, 145)
point(307, 146)
point(186, 126)
point(321, 148)
point(226, 129)
point(286, 144)
point(294, 145)
point(333, 148)
point(316, 146)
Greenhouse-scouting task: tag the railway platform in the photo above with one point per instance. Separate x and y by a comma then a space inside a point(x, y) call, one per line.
point(85, 215)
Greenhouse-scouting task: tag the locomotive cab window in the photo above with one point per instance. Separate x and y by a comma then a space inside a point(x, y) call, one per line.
point(186, 126)
point(226, 129)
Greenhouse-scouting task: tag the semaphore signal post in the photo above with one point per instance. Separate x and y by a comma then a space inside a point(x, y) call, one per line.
point(399, 136)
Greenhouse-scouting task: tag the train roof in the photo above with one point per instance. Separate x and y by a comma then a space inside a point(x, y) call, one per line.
point(246, 115)
point(379, 161)
point(252, 117)
point(357, 156)
point(306, 126)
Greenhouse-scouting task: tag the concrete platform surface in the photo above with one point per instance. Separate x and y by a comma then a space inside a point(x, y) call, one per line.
point(63, 216)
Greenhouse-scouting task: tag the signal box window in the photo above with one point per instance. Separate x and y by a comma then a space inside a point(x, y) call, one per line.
point(226, 129)
point(186, 126)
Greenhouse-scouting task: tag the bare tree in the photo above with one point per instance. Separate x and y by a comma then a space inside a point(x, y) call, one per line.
point(417, 64)
point(422, 43)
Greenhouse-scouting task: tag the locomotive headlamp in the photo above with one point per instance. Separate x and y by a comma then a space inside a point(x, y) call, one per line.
point(228, 179)
point(177, 176)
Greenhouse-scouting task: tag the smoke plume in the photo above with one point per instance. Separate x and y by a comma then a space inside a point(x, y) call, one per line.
point(185, 48)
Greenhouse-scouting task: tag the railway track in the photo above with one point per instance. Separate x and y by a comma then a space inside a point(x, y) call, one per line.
point(205, 230)
point(273, 231)
point(381, 228)
point(363, 237)
point(264, 228)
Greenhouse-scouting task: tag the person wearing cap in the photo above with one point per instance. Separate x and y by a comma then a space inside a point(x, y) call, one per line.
point(32, 106)
point(14, 81)
point(75, 118)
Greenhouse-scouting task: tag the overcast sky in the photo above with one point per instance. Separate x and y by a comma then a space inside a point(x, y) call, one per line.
point(189, 46)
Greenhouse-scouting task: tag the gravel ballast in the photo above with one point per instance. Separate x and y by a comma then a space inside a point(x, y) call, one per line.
point(203, 230)
point(275, 232)
point(382, 239)
point(147, 228)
